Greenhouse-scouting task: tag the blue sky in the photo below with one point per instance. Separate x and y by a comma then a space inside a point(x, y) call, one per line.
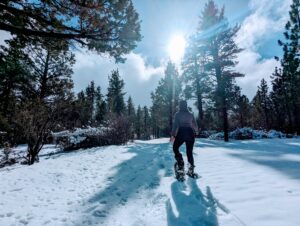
point(262, 23)
point(162, 18)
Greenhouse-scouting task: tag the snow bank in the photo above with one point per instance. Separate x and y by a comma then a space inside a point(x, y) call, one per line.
point(80, 137)
point(115, 134)
point(248, 133)
point(79, 134)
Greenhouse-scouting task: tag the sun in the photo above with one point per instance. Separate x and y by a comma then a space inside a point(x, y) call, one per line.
point(176, 47)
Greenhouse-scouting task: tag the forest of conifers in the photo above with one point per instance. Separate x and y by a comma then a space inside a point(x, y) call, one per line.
point(36, 87)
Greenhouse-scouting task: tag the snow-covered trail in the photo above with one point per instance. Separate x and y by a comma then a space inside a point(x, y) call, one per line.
point(251, 183)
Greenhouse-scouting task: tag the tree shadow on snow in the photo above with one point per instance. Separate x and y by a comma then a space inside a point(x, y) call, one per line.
point(279, 154)
point(193, 207)
point(132, 176)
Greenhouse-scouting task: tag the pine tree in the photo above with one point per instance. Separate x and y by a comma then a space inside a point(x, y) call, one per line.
point(111, 27)
point(52, 64)
point(221, 52)
point(278, 96)
point(262, 107)
point(16, 79)
point(100, 108)
point(130, 107)
point(139, 122)
point(289, 79)
point(115, 93)
point(146, 124)
point(131, 114)
point(91, 105)
point(165, 99)
point(82, 106)
point(154, 119)
point(196, 79)
point(90, 97)
point(241, 109)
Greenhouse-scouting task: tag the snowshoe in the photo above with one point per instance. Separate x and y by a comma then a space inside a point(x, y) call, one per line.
point(179, 172)
point(191, 172)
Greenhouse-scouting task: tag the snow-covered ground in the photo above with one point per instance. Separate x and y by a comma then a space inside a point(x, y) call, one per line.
point(254, 183)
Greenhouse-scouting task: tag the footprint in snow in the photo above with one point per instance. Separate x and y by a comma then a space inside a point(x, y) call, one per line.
point(103, 202)
point(9, 214)
point(25, 222)
point(99, 213)
point(161, 166)
point(110, 178)
point(90, 209)
point(17, 189)
point(132, 179)
point(123, 201)
point(47, 222)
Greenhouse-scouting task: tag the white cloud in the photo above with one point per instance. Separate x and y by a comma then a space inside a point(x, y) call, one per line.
point(267, 18)
point(140, 79)
point(255, 68)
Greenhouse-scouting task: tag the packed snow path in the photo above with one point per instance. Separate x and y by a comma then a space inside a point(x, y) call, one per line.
point(255, 183)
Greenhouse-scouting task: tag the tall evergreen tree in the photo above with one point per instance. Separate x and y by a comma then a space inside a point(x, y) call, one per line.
point(139, 122)
point(130, 107)
point(111, 27)
point(289, 79)
point(221, 52)
point(16, 79)
point(166, 98)
point(262, 107)
point(100, 108)
point(52, 65)
point(146, 124)
point(195, 77)
point(131, 114)
point(115, 93)
point(283, 117)
point(83, 107)
point(91, 105)
point(90, 97)
point(241, 109)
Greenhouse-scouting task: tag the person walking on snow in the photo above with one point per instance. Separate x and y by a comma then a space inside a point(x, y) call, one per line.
point(184, 130)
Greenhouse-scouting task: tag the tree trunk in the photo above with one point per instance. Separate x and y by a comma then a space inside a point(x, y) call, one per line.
point(225, 124)
point(242, 124)
point(32, 158)
point(171, 103)
point(290, 123)
point(199, 104)
point(6, 98)
point(221, 101)
point(267, 119)
point(296, 113)
point(44, 78)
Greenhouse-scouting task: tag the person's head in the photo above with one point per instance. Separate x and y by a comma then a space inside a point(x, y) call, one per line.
point(183, 105)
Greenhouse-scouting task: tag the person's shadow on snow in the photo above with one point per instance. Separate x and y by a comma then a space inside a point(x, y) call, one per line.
point(193, 208)
point(131, 177)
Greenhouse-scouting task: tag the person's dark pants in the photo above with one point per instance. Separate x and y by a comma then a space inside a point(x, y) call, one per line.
point(185, 135)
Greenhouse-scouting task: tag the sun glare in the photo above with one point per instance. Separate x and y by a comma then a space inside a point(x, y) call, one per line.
point(176, 47)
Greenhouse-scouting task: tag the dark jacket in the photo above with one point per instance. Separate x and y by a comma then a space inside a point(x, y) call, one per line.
point(184, 119)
